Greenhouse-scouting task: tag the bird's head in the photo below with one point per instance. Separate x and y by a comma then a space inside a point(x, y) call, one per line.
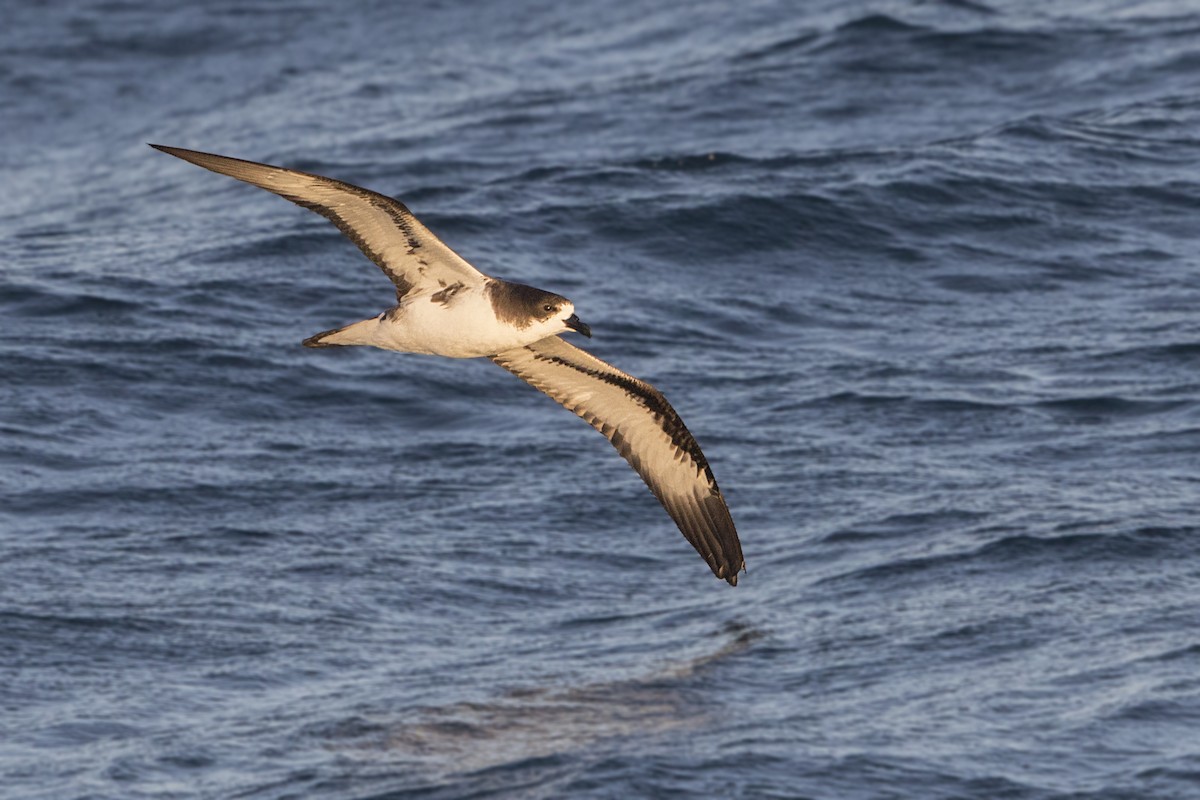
point(559, 313)
point(526, 307)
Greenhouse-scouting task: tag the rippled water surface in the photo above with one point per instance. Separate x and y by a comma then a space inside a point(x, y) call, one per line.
point(921, 277)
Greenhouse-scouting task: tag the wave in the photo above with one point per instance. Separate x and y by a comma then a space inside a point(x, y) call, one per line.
point(1027, 550)
point(29, 302)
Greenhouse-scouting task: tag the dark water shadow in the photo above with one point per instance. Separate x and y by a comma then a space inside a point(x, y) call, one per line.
point(534, 725)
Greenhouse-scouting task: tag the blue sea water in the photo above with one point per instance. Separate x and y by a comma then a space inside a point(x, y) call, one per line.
point(922, 277)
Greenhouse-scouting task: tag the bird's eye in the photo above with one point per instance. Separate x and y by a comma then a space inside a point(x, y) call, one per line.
point(547, 308)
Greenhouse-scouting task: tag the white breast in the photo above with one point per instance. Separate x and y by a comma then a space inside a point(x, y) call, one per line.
point(464, 326)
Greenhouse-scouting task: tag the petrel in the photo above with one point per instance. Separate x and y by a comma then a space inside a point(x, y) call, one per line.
point(446, 307)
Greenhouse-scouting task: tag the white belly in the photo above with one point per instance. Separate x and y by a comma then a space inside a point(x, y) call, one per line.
point(465, 327)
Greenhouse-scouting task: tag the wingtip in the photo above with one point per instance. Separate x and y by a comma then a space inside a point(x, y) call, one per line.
point(171, 151)
point(732, 577)
point(178, 152)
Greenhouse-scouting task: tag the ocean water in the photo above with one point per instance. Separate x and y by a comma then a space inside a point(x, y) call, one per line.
point(922, 277)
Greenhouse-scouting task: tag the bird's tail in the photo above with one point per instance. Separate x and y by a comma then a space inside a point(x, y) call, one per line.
point(356, 333)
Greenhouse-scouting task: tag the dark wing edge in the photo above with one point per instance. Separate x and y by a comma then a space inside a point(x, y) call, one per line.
point(373, 221)
point(647, 432)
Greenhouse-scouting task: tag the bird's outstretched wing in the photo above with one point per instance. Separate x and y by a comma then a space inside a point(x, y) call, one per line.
point(413, 258)
point(647, 432)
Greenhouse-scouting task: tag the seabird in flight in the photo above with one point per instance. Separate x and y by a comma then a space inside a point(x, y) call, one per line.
point(446, 307)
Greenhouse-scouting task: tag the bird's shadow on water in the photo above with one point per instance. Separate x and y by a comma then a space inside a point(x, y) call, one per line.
point(544, 726)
